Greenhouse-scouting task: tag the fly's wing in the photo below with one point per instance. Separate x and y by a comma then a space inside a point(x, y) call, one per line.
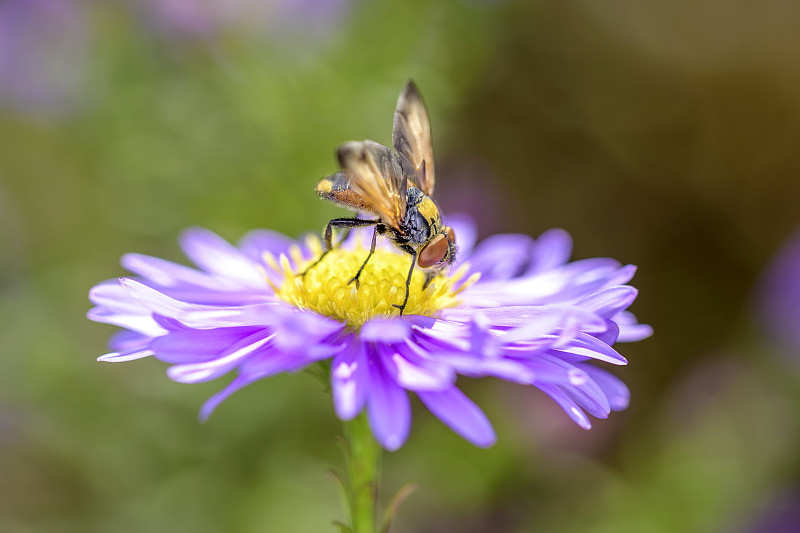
point(374, 173)
point(411, 136)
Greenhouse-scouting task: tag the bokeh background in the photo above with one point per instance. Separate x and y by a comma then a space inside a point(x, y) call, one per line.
point(661, 133)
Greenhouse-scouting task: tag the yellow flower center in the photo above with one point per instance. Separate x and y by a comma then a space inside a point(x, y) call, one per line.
point(324, 288)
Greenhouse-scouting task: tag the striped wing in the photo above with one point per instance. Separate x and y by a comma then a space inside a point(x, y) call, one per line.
point(411, 137)
point(375, 176)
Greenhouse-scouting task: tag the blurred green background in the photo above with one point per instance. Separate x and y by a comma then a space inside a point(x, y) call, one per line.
point(660, 133)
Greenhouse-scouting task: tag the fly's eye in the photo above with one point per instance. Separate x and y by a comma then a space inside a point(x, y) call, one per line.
point(451, 236)
point(434, 252)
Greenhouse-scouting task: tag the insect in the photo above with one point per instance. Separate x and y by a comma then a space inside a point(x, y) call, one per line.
point(394, 189)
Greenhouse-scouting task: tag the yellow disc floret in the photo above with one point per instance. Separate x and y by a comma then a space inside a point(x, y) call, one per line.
point(324, 289)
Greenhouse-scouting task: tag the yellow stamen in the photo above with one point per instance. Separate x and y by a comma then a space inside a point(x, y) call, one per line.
point(324, 289)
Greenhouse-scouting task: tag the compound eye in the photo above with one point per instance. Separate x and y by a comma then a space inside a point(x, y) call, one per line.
point(451, 236)
point(434, 252)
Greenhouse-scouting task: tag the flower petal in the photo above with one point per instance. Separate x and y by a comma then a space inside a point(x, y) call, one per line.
point(567, 404)
point(260, 241)
point(350, 380)
point(461, 414)
point(527, 316)
point(609, 302)
point(629, 328)
point(414, 372)
point(300, 331)
point(121, 357)
point(199, 345)
point(501, 257)
point(212, 403)
point(388, 407)
point(385, 330)
point(586, 346)
point(217, 256)
point(227, 361)
point(466, 233)
point(128, 340)
point(552, 249)
point(616, 391)
point(168, 274)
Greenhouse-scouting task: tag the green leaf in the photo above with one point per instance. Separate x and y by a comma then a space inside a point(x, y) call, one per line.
point(394, 505)
point(341, 527)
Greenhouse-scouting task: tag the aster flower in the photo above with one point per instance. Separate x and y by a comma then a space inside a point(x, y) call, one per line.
point(512, 307)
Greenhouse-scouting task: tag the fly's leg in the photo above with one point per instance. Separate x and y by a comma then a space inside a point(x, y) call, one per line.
point(345, 223)
point(430, 275)
point(409, 250)
point(371, 251)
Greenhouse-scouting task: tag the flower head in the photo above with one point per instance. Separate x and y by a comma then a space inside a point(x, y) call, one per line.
point(511, 307)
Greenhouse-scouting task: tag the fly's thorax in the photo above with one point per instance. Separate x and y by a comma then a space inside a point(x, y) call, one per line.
point(422, 220)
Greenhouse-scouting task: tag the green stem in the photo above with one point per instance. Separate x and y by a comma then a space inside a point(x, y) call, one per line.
point(363, 457)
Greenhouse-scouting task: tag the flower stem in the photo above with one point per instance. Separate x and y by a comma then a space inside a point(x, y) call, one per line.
point(363, 457)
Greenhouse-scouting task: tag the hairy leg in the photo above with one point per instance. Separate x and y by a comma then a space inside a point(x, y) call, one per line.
point(371, 251)
point(345, 223)
point(408, 249)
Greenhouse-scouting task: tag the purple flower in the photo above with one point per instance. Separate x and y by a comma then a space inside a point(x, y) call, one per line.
point(512, 307)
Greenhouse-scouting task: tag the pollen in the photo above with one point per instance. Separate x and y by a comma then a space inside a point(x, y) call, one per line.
point(325, 288)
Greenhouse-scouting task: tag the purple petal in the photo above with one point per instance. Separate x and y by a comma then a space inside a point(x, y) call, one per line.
point(525, 315)
point(388, 408)
point(586, 346)
point(547, 368)
point(350, 380)
point(610, 302)
point(128, 340)
point(258, 242)
point(622, 276)
point(552, 249)
point(212, 403)
point(466, 233)
point(385, 330)
point(501, 257)
point(121, 357)
point(615, 390)
point(567, 404)
point(301, 331)
point(217, 256)
point(453, 408)
point(562, 285)
point(590, 397)
point(269, 361)
point(166, 273)
point(199, 345)
point(609, 336)
point(112, 295)
point(553, 319)
point(227, 361)
point(629, 328)
point(140, 323)
point(197, 315)
point(412, 371)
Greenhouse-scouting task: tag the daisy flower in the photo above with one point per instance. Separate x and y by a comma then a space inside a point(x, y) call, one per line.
point(511, 307)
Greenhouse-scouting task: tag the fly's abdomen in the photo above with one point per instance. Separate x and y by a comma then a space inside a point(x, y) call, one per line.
point(337, 189)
